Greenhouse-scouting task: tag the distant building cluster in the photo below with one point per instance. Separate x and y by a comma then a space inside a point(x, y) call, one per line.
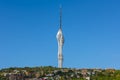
point(49, 73)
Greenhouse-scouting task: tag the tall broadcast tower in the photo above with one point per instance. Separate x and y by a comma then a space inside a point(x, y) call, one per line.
point(60, 40)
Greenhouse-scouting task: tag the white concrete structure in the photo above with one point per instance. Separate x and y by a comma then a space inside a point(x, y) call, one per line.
point(60, 40)
point(87, 78)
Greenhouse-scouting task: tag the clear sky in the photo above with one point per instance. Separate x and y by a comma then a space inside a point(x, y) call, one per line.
point(91, 29)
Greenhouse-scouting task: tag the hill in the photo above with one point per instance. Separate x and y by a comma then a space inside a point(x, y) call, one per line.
point(53, 73)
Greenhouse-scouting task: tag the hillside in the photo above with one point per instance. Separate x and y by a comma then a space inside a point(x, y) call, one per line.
point(53, 73)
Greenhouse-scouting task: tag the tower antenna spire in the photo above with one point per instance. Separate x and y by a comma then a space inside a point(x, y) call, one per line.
point(60, 16)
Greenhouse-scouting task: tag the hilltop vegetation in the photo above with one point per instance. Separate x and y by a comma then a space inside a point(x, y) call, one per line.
point(53, 73)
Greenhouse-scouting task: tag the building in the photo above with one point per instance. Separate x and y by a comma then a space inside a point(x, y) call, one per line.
point(60, 39)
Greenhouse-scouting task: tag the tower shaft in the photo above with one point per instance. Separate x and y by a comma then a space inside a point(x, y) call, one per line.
point(60, 57)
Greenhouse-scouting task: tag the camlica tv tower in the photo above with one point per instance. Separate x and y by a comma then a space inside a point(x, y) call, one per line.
point(60, 40)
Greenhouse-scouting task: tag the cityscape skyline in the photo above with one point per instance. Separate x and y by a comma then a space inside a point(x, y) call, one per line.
point(91, 29)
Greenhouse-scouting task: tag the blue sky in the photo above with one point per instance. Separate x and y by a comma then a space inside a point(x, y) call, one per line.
point(91, 29)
